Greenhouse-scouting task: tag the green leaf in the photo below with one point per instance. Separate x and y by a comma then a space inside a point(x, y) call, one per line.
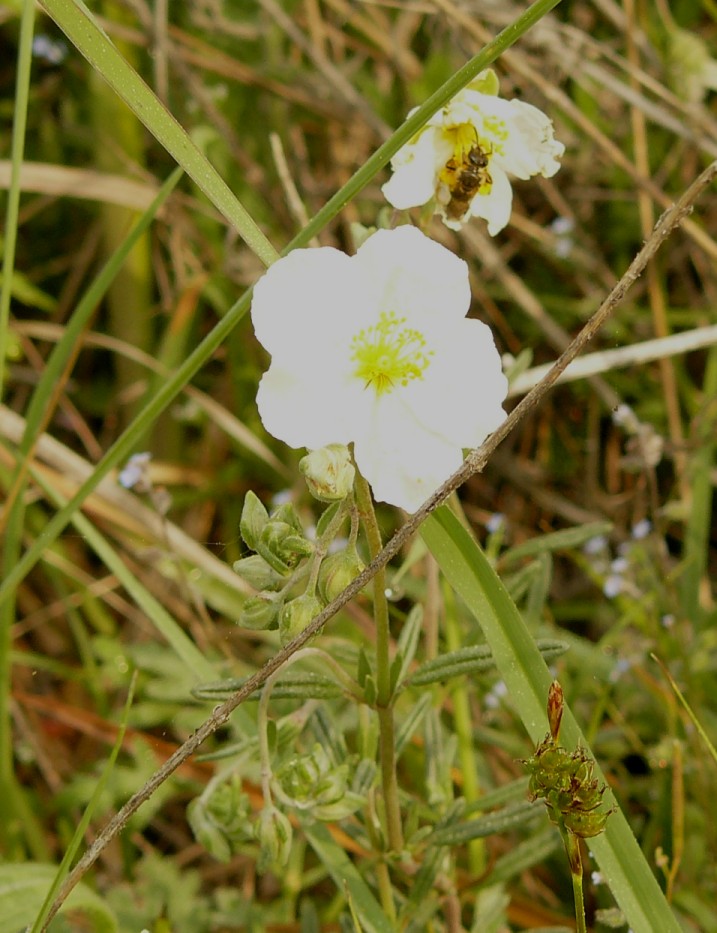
point(526, 675)
point(293, 686)
point(564, 540)
point(23, 887)
point(474, 659)
point(515, 814)
point(407, 644)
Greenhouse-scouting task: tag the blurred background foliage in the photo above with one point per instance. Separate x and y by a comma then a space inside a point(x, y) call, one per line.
point(287, 98)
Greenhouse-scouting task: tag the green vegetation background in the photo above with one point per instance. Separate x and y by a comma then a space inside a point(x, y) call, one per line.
point(288, 100)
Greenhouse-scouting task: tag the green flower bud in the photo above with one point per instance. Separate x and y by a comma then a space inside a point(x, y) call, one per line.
point(274, 834)
point(287, 513)
point(207, 833)
point(230, 807)
point(253, 519)
point(221, 822)
point(580, 823)
point(329, 472)
point(296, 615)
point(337, 571)
point(281, 547)
point(258, 573)
point(313, 782)
point(260, 612)
point(565, 780)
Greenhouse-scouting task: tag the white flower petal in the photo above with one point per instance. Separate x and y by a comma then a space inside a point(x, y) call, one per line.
point(300, 411)
point(403, 463)
point(414, 172)
point(465, 366)
point(310, 291)
point(532, 149)
point(411, 273)
point(494, 207)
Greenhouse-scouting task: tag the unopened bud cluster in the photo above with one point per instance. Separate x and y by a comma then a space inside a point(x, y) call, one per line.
point(220, 820)
point(281, 545)
point(565, 780)
point(315, 783)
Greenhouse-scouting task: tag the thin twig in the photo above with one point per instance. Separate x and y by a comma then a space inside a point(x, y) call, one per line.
point(474, 463)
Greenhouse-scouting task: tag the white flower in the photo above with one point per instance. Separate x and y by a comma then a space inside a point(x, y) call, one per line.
point(375, 349)
point(462, 157)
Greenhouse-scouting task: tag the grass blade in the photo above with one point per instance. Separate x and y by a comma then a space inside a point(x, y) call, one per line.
point(528, 679)
point(79, 25)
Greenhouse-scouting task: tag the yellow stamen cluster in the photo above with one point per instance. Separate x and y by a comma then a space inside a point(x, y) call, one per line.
point(388, 354)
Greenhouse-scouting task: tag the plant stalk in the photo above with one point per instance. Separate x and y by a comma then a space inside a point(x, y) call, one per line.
point(384, 698)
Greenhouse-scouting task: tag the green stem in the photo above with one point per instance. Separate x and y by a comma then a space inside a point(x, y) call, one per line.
point(572, 847)
point(463, 722)
point(11, 797)
point(384, 697)
point(385, 890)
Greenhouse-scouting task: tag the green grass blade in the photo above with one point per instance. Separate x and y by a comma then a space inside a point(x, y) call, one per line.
point(168, 628)
point(79, 833)
point(80, 27)
point(347, 879)
point(527, 677)
point(12, 799)
point(701, 483)
point(22, 90)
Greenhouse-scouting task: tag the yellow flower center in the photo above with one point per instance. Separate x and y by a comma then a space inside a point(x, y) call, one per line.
point(388, 354)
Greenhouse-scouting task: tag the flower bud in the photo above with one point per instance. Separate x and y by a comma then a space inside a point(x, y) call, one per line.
point(337, 571)
point(281, 546)
point(260, 612)
point(296, 615)
point(257, 573)
point(253, 519)
point(329, 472)
point(555, 709)
point(288, 514)
point(273, 832)
point(220, 822)
point(313, 782)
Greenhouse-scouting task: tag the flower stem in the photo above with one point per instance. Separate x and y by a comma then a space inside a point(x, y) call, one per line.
point(384, 698)
point(572, 847)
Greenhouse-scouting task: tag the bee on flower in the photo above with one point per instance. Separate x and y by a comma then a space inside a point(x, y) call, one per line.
point(462, 157)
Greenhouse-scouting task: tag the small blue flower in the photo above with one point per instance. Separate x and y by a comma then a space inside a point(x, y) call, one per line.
point(495, 522)
point(134, 474)
point(595, 545)
point(52, 51)
point(613, 586)
point(642, 529)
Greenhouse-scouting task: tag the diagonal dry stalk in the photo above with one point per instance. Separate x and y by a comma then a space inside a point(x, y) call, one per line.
point(474, 463)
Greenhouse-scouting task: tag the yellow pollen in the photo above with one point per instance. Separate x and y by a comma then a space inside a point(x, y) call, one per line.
point(388, 354)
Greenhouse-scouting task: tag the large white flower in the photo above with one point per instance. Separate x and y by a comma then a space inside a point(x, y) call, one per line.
point(375, 349)
point(462, 157)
